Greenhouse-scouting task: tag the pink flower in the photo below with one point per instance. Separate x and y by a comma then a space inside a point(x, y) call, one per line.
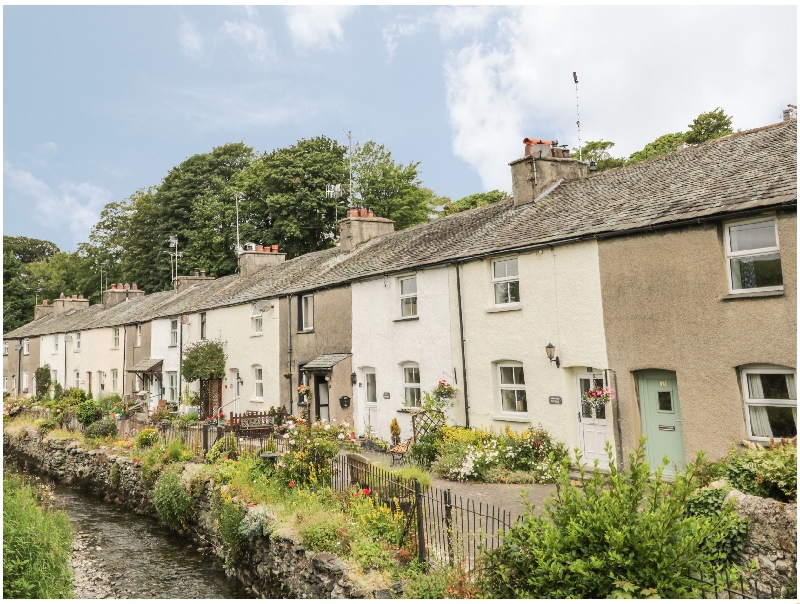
point(291, 483)
point(291, 442)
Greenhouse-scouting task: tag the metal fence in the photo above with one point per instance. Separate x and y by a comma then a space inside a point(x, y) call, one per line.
point(723, 586)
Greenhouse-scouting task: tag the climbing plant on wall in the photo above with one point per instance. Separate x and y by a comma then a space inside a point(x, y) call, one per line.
point(204, 361)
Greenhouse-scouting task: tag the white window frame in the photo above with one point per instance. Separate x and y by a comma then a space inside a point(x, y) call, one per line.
point(77, 379)
point(77, 341)
point(116, 337)
point(307, 312)
point(203, 325)
point(258, 383)
point(256, 320)
point(237, 391)
point(507, 279)
point(511, 386)
point(137, 384)
point(55, 344)
point(114, 380)
point(26, 346)
point(367, 374)
point(5, 349)
point(173, 332)
point(411, 385)
point(764, 402)
point(54, 376)
point(172, 386)
point(729, 255)
point(403, 297)
point(24, 381)
point(138, 335)
point(101, 380)
point(5, 383)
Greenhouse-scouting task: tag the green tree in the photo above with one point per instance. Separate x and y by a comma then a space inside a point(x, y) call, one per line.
point(708, 126)
point(597, 151)
point(476, 200)
point(20, 257)
point(391, 189)
point(666, 143)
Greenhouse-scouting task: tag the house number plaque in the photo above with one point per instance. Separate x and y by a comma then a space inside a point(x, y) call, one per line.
point(386, 395)
point(663, 384)
point(555, 400)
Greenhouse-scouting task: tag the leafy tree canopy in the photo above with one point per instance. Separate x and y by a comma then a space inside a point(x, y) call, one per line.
point(598, 152)
point(708, 126)
point(476, 200)
point(666, 143)
point(204, 360)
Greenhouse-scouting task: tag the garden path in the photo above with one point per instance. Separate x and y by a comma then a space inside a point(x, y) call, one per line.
point(505, 496)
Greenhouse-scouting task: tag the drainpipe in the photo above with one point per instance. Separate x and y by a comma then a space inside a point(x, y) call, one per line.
point(65, 363)
point(618, 422)
point(289, 347)
point(19, 370)
point(463, 356)
point(180, 355)
point(124, 355)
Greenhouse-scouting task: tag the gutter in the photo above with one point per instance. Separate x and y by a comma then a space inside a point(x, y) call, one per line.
point(289, 346)
point(463, 344)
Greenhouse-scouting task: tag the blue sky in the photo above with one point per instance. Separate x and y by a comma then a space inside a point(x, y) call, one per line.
point(101, 101)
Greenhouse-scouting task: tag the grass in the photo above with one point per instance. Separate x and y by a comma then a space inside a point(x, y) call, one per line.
point(37, 543)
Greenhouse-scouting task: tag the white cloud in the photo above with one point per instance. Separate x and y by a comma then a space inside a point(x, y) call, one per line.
point(47, 148)
point(316, 27)
point(75, 206)
point(190, 39)
point(643, 72)
point(401, 29)
point(249, 35)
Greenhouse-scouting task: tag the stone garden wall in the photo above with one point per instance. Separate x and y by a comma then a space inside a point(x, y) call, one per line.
point(277, 566)
point(773, 537)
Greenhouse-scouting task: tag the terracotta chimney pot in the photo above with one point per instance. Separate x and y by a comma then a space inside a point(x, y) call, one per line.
point(127, 286)
point(133, 286)
point(274, 249)
point(370, 214)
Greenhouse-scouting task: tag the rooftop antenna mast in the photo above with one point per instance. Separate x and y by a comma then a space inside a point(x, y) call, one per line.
point(578, 113)
point(238, 196)
point(349, 135)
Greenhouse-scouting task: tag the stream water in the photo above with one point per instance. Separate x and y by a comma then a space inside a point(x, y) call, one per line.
point(119, 554)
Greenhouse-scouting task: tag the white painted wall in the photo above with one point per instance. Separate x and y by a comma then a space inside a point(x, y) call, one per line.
point(97, 354)
point(161, 348)
point(246, 349)
point(54, 359)
point(560, 302)
point(382, 342)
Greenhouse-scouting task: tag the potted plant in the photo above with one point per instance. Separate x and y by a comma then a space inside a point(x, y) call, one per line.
point(598, 398)
point(288, 375)
point(394, 429)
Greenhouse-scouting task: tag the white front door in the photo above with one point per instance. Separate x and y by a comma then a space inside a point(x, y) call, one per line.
point(591, 423)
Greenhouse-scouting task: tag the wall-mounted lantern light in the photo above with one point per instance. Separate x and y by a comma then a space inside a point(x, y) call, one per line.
point(551, 354)
point(353, 378)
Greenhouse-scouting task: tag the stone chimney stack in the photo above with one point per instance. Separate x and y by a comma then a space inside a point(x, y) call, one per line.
point(63, 304)
point(359, 226)
point(184, 282)
point(253, 260)
point(543, 168)
point(119, 292)
point(42, 310)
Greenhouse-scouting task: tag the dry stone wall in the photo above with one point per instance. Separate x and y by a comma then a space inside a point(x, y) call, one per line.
point(277, 566)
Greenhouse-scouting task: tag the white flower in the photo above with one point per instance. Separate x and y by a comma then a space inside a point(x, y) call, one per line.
point(341, 437)
point(291, 442)
point(327, 426)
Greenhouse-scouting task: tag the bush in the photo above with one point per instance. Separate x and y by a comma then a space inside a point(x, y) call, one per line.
point(228, 514)
point(152, 464)
point(627, 533)
point(412, 472)
point(177, 451)
point(45, 425)
point(186, 420)
point(147, 438)
point(87, 409)
point(311, 451)
point(160, 415)
point(326, 532)
point(764, 472)
point(711, 503)
point(173, 504)
point(37, 543)
point(101, 429)
point(107, 403)
point(227, 445)
point(424, 583)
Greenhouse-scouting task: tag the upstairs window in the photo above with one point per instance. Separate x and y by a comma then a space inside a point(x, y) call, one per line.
point(202, 326)
point(770, 398)
point(78, 341)
point(173, 332)
point(139, 335)
point(5, 348)
point(411, 384)
point(55, 344)
point(116, 337)
point(256, 319)
point(307, 313)
point(505, 278)
point(26, 346)
point(753, 256)
point(512, 388)
point(258, 379)
point(5, 383)
point(408, 297)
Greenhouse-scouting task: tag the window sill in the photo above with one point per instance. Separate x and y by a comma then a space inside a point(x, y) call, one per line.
point(306, 330)
point(762, 294)
point(172, 346)
point(504, 307)
point(416, 318)
point(256, 335)
point(516, 419)
point(410, 410)
point(257, 400)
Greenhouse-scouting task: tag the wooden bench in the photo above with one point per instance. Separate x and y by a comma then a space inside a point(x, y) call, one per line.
point(398, 452)
point(252, 423)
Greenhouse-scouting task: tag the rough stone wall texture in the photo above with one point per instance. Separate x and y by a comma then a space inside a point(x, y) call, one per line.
point(773, 537)
point(277, 566)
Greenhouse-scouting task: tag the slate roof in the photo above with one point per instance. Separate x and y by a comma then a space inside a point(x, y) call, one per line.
point(145, 365)
point(326, 361)
point(751, 170)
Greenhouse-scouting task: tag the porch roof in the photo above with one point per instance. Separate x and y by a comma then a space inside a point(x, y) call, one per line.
point(326, 361)
point(147, 366)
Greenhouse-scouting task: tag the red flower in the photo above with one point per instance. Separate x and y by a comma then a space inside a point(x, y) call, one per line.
point(356, 494)
point(366, 491)
point(291, 483)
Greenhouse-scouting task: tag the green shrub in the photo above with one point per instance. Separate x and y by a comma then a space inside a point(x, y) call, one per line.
point(426, 449)
point(311, 451)
point(227, 445)
point(258, 522)
point(425, 583)
point(606, 536)
point(114, 476)
point(412, 472)
point(101, 429)
point(108, 402)
point(764, 472)
point(58, 391)
point(177, 451)
point(326, 532)
point(186, 420)
point(87, 409)
point(161, 415)
point(152, 464)
point(45, 425)
point(228, 514)
point(37, 543)
point(710, 503)
point(43, 379)
point(147, 438)
point(173, 504)
point(370, 554)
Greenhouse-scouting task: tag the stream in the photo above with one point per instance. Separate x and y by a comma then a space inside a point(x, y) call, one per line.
point(119, 554)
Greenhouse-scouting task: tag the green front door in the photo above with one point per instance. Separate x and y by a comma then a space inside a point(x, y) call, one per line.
point(661, 419)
